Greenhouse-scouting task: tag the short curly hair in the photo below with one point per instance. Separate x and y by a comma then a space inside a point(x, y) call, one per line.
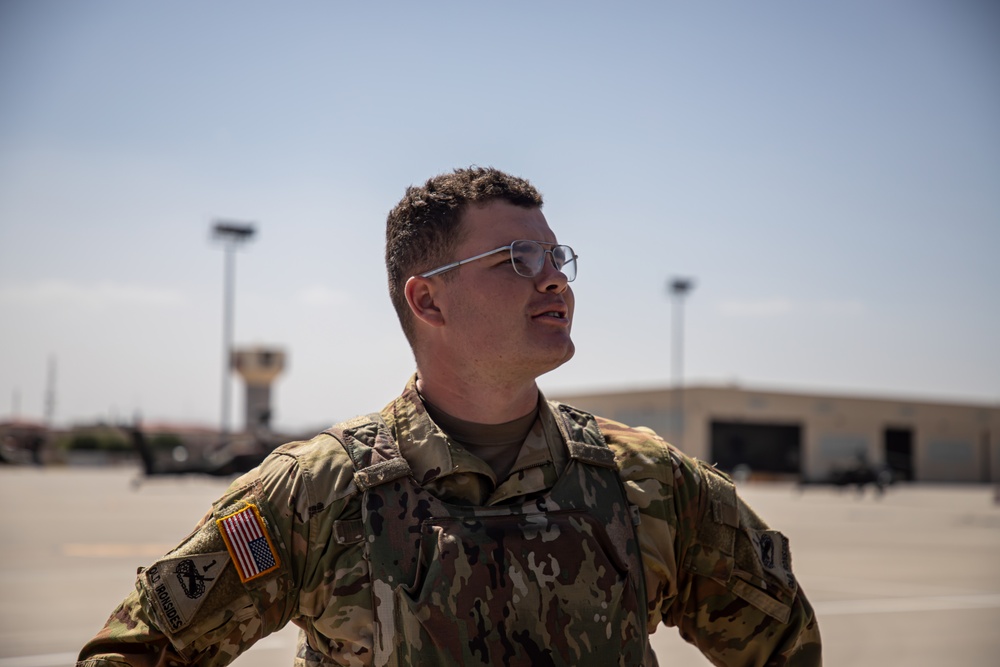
point(424, 228)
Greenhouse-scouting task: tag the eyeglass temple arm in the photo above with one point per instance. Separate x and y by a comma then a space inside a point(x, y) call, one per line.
point(455, 265)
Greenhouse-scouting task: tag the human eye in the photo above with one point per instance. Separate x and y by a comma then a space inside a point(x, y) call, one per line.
point(559, 257)
point(521, 264)
point(501, 260)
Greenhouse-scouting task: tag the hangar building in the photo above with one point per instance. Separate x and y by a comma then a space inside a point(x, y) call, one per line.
point(812, 436)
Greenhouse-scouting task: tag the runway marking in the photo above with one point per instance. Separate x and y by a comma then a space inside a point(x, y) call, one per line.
point(115, 550)
point(897, 605)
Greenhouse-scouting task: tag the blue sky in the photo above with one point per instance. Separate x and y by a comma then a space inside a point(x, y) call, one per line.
point(828, 174)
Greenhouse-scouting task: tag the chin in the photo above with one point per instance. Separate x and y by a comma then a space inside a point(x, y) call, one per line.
point(561, 359)
point(570, 351)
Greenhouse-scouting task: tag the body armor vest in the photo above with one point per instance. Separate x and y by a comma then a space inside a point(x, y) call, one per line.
point(553, 580)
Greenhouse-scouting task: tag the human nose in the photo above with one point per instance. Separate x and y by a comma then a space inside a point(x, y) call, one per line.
point(551, 279)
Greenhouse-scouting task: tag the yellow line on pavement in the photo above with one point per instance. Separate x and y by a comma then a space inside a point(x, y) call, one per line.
point(114, 550)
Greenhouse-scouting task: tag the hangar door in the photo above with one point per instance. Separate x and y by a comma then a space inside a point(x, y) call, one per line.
point(765, 447)
point(898, 444)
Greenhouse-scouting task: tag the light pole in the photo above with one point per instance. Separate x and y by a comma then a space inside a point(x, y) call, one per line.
point(232, 234)
point(678, 288)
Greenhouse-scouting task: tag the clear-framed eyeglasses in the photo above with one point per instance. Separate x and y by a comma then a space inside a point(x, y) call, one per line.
point(527, 258)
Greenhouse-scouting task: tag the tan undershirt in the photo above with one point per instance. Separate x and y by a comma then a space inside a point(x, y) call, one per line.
point(496, 444)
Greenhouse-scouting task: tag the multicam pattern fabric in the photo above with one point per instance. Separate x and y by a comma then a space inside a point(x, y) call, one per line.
point(551, 580)
point(711, 566)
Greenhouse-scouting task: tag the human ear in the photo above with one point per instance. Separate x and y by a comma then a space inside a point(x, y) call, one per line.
point(420, 295)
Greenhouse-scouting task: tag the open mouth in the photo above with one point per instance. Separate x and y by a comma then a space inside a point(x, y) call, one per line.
point(552, 314)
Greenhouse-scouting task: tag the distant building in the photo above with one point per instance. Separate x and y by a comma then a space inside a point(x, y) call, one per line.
point(811, 436)
point(259, 367)
point(21, 441)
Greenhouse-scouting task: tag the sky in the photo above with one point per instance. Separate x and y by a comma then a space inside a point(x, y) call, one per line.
point(828, 175)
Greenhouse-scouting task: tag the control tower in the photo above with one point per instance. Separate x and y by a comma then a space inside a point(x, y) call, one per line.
point(258, 366)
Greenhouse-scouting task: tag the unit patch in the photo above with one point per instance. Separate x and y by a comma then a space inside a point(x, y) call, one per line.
point(177, 585)
point(775, 555)
point(248, 542)
point(767, 551)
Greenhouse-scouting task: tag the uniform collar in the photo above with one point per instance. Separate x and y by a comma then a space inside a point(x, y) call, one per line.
point(452, 473)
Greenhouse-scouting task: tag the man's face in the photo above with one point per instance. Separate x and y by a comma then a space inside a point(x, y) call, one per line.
point(497, 323)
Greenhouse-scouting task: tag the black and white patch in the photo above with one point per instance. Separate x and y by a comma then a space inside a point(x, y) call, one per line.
point(178, 585)
point(775, 555)
point(191, 579)
point(766, 546)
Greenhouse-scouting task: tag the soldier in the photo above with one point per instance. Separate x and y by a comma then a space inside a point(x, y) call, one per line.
point(471, 521)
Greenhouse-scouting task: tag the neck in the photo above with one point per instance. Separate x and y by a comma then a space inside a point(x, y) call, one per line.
point(482, 403)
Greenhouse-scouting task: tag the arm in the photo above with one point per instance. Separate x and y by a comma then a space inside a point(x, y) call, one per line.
point(737, 599)
point(713, 569)
point(196, 605)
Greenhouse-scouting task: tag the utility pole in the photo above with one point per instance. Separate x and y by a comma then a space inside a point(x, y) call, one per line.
point(50, 393)
point(232, 234)
point(678, 288)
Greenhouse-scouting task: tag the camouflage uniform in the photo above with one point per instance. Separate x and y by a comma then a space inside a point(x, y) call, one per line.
point(291, 540)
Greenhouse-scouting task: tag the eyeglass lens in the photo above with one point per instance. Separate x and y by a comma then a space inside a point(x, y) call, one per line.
point(528, 258)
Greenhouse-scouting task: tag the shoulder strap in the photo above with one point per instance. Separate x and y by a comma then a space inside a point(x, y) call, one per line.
point(584, 440)
point(372, 449)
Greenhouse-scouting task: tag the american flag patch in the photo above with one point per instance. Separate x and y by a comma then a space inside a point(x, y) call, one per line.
point(248, 542)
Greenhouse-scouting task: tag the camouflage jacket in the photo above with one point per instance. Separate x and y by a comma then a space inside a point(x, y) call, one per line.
point(554, 578)
point(281, 545)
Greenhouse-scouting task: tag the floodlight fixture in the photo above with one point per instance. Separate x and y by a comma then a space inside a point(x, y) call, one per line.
point(235, 232)
point(680, 286)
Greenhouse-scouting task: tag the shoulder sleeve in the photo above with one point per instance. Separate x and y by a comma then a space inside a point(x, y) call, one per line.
point(737, 600)
point(646, 467)
point(235, 579)
point(713, 568)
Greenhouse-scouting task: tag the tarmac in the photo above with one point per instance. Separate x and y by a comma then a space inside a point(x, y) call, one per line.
point(911, 578)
